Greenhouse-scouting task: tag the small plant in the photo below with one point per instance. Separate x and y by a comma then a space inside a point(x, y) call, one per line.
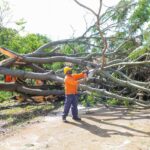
point(57, 65)
point(113, 102)
point(138, 52)
point(126, 103)
point(88, 100)
point(4, 96)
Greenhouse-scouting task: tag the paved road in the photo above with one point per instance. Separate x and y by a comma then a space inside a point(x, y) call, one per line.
point(102, 129)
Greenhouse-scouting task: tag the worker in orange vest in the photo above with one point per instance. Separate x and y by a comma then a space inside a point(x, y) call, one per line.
point(71, 82)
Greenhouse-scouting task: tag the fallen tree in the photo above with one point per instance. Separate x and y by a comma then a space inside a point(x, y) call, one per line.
point(114, 75)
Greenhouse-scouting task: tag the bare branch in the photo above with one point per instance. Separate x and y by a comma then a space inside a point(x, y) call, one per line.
point(124, 83)
point(29, 90)
point(128, 64)
point(89, 9)
point(100, 7)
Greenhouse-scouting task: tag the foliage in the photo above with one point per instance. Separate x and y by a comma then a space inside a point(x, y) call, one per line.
point(73, 48)
point(129, 19)
point(115, 102)
point(88, 100)
point(122, 10)
point(11, 39)
point(140, 15)
point(138, 52)
point(56, 66)
point(116, 75)
point(32, 41)
point(7, 35)
point(146, 36)
point(142, 49)
point(5, 96)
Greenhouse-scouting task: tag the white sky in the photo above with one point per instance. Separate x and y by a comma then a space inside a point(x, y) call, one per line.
point(58, 19)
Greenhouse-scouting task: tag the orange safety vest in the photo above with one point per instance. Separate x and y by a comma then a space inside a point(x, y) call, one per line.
point(8, 78)
point(71, 83)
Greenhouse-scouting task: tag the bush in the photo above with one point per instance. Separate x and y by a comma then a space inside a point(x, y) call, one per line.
point(88, 100)
point(115, 102)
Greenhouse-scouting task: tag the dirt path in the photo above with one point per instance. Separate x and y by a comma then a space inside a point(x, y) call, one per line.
point(102, 129)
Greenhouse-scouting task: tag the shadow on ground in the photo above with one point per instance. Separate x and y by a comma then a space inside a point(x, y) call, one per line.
point(110, 117)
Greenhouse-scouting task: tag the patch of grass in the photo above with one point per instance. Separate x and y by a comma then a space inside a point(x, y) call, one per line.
point(5, 95)
point(13, 113)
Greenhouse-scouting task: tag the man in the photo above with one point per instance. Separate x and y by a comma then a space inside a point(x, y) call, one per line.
point(71, 98)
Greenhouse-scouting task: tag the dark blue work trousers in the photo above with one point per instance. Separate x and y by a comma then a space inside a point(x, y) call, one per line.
point(71, 101)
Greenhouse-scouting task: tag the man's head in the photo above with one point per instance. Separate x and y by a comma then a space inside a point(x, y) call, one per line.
point(67, 70)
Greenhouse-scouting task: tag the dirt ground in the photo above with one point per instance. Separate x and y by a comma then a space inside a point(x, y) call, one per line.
point(100, 129)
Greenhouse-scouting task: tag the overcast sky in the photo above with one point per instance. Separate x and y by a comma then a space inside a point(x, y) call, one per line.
point(58, 19)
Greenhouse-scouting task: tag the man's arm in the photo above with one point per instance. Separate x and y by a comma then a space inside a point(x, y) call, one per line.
point(79, 76)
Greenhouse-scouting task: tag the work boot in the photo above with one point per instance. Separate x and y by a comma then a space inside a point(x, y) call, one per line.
point(64, 118)
point(76, 118)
